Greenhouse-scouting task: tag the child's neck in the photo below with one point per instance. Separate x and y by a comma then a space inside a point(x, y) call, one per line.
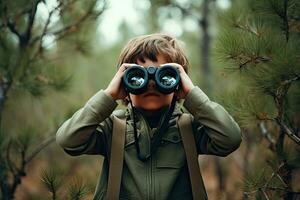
point(153, 116)
point(153, 113)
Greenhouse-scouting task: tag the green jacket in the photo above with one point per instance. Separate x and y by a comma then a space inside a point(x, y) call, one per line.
point(165, 175)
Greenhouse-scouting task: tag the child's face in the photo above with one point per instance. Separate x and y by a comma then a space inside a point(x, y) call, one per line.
point(152, 100)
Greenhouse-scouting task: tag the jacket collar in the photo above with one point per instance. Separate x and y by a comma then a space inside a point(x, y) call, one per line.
point(177, 111)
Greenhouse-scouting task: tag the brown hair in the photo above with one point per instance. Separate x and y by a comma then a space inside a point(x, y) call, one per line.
point(149, 46)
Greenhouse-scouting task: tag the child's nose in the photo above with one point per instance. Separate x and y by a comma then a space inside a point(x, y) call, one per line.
point(151, 84)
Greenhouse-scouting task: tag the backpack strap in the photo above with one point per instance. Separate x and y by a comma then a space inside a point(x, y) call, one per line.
point(116, 159)
point(186, 132)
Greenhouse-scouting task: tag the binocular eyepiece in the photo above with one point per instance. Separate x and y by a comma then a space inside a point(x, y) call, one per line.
point(136, 79)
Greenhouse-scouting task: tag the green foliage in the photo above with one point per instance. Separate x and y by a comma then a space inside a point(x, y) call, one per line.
point(25, 139)
point(56, 182)
point(34, 47)
point(77, 190)
point(45, 78)
point(3, 163)
point(255, 180)
point(52, 181)
point(264, 183)
point(240, 103)
point(260, 40)
point(261, 53)
point(294, 159)
point(25, 60)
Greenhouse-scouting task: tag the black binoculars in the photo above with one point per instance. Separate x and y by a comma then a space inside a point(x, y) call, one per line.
point(136, 79)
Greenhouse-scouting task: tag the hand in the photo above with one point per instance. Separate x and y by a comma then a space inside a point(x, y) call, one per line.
point(186, 83)
point(115, 88)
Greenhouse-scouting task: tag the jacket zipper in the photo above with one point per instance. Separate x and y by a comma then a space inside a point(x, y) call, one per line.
point(149, 168)
point(150, 190)
point(152, 178)
point(151, 181)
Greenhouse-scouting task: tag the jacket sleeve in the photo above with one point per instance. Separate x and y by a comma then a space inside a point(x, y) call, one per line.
point(87, 130)
point(215, 130)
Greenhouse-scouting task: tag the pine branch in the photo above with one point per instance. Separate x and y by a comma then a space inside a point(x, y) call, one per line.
point(279, 98)
point(289, 132)
point(246, 28)
point(283, 15)
point(265, 187)
point(265, 194)
point(27, 35)
point(283, 190)
point(23, 41)
point(19, 172)
point(61, 6)
point(38, 149)
point(255, 60)
point(61, 33)
point(267, 135)
point(11, 25)
point(45, 29)
point(23, 37)
point(11, 165)
point(244, 60)
point(52, 182)
point(13, 29)
point(243, 47)
point(285, 20)
point(77, 190)
point(71, 27)
point(276, 173)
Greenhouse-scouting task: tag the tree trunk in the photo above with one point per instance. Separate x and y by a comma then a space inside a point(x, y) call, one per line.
point(6, 190)
point(205, 47)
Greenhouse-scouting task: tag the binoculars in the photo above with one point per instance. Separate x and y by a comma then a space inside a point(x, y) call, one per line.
point(136, 79)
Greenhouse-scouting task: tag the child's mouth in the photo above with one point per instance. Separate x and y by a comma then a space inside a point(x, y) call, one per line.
point(151, 94)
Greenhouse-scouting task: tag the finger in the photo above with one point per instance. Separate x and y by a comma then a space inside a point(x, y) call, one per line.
point(125, 66)
point(175, 65)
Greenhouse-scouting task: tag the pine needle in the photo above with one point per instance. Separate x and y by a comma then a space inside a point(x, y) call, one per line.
point(77, 190)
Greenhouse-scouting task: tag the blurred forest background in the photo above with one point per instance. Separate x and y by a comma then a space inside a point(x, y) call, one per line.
point(55, 54)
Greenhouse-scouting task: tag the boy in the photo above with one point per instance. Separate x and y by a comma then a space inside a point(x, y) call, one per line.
point(161, 173)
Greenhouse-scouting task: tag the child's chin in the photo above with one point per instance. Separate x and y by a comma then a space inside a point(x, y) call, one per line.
point(150, 107)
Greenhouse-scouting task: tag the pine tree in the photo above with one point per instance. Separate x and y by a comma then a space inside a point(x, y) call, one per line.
point(26, 36)
point(54, 180)
point(260, 39)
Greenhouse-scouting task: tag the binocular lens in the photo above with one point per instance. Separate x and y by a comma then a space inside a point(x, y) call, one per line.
point(136, 77)
point(136, 81)
point(168, 81)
